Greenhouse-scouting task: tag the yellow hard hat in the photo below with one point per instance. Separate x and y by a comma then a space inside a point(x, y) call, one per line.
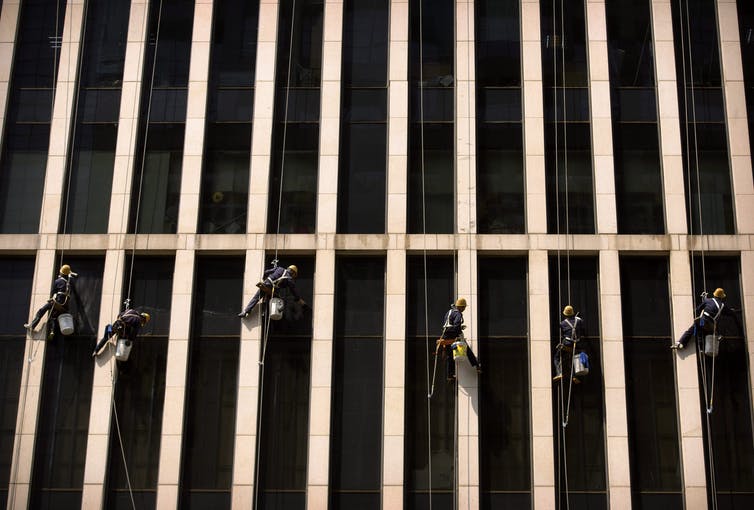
point(65, 270)
point(568, 311)
point(460, 302)
point(146, 317)
point(293, 270)
point(719, 293)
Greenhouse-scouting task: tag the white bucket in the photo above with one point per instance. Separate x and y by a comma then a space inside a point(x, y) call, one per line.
point(580, 364)
point(65, 321)
point(123, 349)
point(276, 308)
point(711, 345)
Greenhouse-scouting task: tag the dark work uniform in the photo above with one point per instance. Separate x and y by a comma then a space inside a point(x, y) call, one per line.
point(127, 326)
point(571, 331)
point(58, 303)
point(452, 330)
point(707, 313)
point(278, 278)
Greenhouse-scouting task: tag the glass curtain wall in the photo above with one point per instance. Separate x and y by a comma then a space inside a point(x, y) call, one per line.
point(499, 132)
point(230, 108)
point(580, 468)
point(728, 433)
point(633, 100)
point(568, 144)
point(701, 107)
point(162, 119)
point(140, 389)
point(212, 385)
point(746, 34)
point(504, 406)
point(66, 395)
point(653, 436)
point(96, 113)
point(23, 160)
point(357, 381)
point(438, 447)
point(292, 205)
point(284, 404)
point(431, 137)
point(18, 274)
point(363, 128)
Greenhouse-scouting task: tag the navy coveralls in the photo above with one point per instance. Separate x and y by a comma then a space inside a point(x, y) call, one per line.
point(58, 303)
point(278, 277)
point(571, 331)
point(451, 331)
point(707, 313)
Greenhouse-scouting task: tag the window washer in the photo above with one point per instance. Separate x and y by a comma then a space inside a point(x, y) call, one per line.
point(452, 339)
point(127, 326)
point(61, 293)
point(275, 278)
point(571, 331)
point(707, 314)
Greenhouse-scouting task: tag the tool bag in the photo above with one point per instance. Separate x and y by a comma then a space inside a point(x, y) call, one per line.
point(580, 364)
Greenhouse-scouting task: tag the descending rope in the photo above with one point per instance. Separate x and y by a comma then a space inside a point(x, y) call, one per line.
point(266, 321)
point(113, 378)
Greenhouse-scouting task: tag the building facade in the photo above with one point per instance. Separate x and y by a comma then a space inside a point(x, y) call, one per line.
point(523, 154)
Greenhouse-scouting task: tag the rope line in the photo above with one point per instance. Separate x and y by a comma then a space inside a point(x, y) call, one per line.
point(113, 379)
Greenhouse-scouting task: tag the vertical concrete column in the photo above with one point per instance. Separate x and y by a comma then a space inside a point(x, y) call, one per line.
point(65, 98)
point(395, 377)
point(543, 467)
point(9, 19)
point(468, 388)
point(668, 120)
point(687, 384)
point(264, 106)
point(602, 127)
point(735, 111)
point(329, 125)
point(397, 148)
point(31, 382)
point(193, 144)
point(318, 465)
point(465, 119)
point(169, 473)
point(247, 408)
point(128, 119)
point(747, 300)
point(533, 112)
point(614, 370)
point(103, 385)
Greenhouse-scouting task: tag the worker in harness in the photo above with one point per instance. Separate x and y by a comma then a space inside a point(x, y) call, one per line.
point(127, 326)
point(61, 293)
point(571, 331)
point(707, 314)
point(275, 278)
point(452, 339)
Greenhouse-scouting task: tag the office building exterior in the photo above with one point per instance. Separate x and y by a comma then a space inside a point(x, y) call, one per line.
point(523, 154)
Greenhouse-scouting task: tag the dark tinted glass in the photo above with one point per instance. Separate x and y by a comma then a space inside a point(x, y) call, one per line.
point(211, 387)
point(568, 152)
point(363, 130)
point(504, 408)
point(357, 400)
point(431, 143)
point(746, 33)
point(95, 124)
point(573, 280)
point(66, 395)
point(654, 454)
point(284, 427)
point(730, 447)
point(636, 155)
point(23, 159)
point(440, 409)
point(140, 392)
point(159, 151)
point(295, 134)
point(18, 275)
point(703, 134)
point(500, 168)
